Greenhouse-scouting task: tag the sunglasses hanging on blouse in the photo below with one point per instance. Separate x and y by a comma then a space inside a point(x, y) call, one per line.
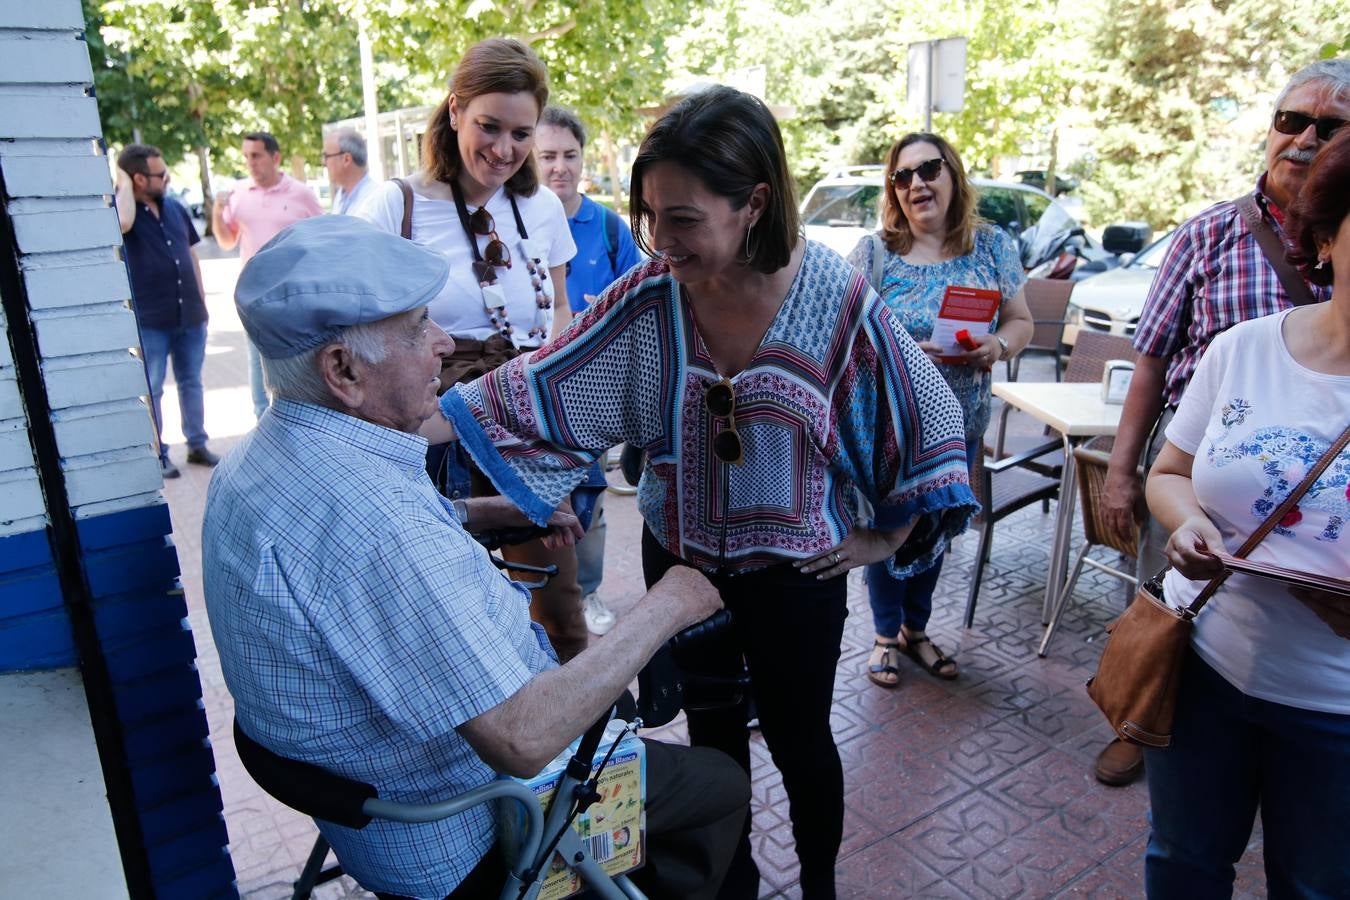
point(487, 261)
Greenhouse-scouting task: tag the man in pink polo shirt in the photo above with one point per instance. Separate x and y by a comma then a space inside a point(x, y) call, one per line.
point(253, 213)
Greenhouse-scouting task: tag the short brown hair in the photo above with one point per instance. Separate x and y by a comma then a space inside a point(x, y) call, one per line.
point(1317, 213)
point(493, 66)
point(728, 140)
point(266, 139)
point(132, 159)
point(961, 215)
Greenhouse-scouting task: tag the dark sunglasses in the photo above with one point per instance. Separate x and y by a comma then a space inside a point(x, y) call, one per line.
point(721, 402)
point(1289, 122)
point(927, 171)
point(495, 253)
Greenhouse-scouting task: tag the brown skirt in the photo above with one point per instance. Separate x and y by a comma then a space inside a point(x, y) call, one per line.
point(474, 358)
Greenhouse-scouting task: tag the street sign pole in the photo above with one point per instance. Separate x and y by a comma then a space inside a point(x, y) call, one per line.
point(937, 77)
point(932, 87)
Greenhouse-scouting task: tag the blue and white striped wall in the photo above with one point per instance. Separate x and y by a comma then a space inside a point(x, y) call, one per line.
point(90, 605)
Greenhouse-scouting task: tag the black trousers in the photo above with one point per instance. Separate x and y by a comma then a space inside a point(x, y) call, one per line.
point(787, 631)
point(697, 804)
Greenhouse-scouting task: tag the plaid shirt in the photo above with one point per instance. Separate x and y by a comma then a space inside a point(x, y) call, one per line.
point(1213, 277)
point(358, 626)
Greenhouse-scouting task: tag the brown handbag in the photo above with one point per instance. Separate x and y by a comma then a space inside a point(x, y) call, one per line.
point(1136, 682)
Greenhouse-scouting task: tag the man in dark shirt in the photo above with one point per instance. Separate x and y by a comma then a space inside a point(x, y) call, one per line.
point(166, 292)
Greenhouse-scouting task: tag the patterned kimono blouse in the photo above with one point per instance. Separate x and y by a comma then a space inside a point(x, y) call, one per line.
point(837, 401)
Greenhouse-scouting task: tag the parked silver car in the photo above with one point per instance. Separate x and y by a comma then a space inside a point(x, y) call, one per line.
point(1112, 301)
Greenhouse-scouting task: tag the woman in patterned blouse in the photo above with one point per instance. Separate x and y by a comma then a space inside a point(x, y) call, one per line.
point(769, 388)
point(931, 239)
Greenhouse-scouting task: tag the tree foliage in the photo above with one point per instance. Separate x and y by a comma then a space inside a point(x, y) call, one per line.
point(606, 58)
point(200, 73)
point(1183, 93)
point(1167, 101)
point(842, 67)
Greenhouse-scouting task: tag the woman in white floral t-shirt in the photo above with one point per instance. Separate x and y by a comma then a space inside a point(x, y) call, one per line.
point(1263, 714)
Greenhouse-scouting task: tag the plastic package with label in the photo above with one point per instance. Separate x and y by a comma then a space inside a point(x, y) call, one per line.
point(614, 827)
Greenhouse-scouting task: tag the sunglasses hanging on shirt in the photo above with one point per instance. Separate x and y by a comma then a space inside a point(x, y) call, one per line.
point(720, 400)
point(487, 261)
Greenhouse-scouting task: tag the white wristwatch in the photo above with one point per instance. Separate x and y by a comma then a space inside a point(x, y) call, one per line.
point(461, 511)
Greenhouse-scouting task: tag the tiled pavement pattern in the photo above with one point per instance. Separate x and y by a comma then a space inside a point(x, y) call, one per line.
point(979, 787)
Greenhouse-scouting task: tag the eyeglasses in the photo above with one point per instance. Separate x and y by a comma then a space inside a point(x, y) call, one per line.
point(1289, 122)
point(164, 175)
point(327, 156)
point(927, 171)
point(495, 253)
point(721, 402)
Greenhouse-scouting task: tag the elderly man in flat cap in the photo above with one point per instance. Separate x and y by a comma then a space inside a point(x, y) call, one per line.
point(362, 629)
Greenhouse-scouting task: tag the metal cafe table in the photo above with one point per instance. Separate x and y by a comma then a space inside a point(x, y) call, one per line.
point(1076, 411)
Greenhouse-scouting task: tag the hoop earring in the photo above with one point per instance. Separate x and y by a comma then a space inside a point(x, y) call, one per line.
point(749, 252)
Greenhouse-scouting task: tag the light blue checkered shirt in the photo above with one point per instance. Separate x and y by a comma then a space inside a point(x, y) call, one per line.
point(358, 625)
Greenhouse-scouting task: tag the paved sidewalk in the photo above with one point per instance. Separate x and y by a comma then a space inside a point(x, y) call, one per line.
point(981, 787)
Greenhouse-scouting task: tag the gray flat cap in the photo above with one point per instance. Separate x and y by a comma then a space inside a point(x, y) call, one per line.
point(326, 273)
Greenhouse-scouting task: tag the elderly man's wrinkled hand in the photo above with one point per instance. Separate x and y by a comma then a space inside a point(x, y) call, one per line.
point(491, 513)
point(565, 527)
point(692, 597)
point(1331, 608)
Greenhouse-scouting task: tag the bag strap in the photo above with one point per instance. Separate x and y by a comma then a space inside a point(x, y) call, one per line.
point(1273, 519)
point(1273, 248)
point(611, 234)
point(878, 261)
point(406, 229)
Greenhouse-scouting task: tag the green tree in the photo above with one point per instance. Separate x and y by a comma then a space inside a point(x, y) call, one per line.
point(191, 76)
point(1183, 92)
point(841, 68)
point(606, 59)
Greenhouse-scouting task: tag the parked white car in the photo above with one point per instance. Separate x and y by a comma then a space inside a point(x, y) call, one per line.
point(1112, 301)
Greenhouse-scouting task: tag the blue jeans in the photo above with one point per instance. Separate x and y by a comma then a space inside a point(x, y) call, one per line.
point(1231, 754)
point(897, 601)
point(591, 548)
point(907, 601)
point(591, 551)
point(187, 348)
point(256, 385)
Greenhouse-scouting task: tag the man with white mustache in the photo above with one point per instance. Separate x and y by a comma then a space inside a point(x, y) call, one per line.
point(1215, 275)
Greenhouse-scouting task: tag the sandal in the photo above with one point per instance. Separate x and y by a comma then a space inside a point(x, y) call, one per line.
point(942, 667)
point(885, 673)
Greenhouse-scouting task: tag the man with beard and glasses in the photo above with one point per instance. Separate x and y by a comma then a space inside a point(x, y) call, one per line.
point(166, 293)
point(1215, 275)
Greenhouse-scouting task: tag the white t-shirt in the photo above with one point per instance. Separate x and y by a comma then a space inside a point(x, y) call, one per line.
point(460, 307)
point(1256, 421)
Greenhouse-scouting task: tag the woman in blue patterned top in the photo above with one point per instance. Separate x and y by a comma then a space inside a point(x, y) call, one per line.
point(768, 386)
point(930, 239)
